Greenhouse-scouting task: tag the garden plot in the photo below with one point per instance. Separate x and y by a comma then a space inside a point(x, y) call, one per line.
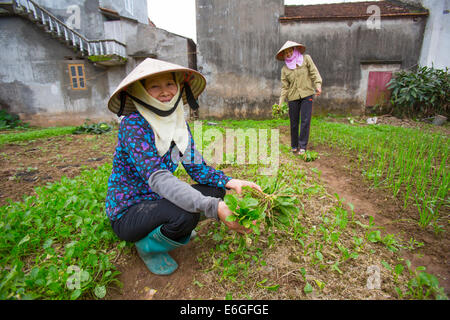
point(328, 249)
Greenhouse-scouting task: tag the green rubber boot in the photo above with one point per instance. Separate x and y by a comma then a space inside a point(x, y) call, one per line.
point(153, 250)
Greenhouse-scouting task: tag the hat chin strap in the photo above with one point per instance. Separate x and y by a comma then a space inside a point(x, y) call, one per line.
point(162, 113)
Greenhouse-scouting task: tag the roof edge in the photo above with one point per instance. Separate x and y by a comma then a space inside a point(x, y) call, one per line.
point(387, 15)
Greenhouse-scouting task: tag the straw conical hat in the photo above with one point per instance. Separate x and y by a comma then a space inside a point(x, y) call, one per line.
point(151, 67)
point(289, 44)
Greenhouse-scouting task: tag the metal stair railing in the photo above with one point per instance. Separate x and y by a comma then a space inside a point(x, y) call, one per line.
point(58, 28)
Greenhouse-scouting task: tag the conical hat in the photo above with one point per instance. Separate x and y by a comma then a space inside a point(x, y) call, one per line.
point(289, 44)
point(151, 67)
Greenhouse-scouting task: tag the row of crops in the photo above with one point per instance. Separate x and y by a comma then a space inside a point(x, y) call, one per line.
point(412, 163)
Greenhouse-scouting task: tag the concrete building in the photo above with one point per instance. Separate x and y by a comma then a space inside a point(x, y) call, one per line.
point(356, 46)
point(61, 59)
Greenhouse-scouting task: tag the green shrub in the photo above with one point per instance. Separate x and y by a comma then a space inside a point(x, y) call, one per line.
point(423, 93)
point(9, 121)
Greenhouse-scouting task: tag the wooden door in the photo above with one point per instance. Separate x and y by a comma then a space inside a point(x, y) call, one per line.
point(377, 93)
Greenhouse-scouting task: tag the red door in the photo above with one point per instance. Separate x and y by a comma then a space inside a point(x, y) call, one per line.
point(377, 93)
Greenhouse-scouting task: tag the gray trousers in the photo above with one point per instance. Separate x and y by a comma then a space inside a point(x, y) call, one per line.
point(300, 108)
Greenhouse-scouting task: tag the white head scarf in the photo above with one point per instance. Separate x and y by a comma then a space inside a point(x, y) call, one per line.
point(166, 129)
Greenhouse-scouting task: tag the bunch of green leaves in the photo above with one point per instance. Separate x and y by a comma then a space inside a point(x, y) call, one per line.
point(278, 199)
point(9, 120)
point(59, 244)
point(96, 128)
point(280, 111)
point(246, 210)
point(277, 202)
point(425, 92)
point(310, 156)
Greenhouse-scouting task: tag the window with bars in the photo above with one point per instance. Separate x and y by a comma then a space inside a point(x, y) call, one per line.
point(77, 76)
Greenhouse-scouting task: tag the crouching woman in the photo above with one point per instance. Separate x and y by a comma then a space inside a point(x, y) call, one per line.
point(145, 202)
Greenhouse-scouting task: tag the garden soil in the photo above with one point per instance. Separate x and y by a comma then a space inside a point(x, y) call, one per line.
point(26, 165)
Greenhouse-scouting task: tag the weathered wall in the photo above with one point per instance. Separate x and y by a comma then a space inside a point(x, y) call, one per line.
point(436, 42)
point(236, 46)
point(84, 15)
point(133, 9)
point(81, 15)
point(145, 40)
point(35, 82)
point(340, 49)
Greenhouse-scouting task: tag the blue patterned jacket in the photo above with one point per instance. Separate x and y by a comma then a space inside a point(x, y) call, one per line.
point(136, 158)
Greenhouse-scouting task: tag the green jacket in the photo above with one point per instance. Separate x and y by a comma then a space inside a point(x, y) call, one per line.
point(300, 82)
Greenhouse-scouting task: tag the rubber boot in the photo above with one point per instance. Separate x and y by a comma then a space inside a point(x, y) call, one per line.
point(153, 250)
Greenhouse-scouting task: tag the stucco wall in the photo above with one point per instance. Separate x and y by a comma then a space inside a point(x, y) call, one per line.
point(236, 46)
point(81, 15)
point(35, 82)
point(84, 15)
point(436, 42)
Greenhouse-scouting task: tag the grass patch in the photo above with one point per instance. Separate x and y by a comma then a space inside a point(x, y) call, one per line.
point(35, 134)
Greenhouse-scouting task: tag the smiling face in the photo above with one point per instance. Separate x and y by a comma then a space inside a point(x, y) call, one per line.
point(162, 87)
point(288, 52)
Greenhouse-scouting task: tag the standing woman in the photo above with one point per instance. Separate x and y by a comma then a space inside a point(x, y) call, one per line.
point(300, 81)
point(145, 202)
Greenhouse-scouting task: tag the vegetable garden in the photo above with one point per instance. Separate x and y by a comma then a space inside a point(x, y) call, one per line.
point(364, 216)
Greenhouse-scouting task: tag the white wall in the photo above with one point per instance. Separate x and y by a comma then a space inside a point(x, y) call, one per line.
point(436, 42)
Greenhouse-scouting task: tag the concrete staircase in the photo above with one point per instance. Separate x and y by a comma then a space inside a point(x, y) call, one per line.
point(102, 52)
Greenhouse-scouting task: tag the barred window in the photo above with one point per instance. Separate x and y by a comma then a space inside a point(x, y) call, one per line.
point(77, 76)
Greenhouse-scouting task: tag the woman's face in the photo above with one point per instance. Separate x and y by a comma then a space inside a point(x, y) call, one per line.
point(288, 52)
point(161, 87)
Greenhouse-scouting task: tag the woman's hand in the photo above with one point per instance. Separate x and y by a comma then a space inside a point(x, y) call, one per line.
point(318, 91)
point(223, 212)
point(237, 185)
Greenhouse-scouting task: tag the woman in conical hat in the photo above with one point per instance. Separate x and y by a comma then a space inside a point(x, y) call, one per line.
point(300, 81)
point(145, 202)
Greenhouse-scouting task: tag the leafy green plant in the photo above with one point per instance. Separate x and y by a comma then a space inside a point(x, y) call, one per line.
point(245, 211)
point(425, 92)
point(9, 120)
point(280, 111)
point(424, 285)
point(309, 156)
point(276, 202)
point(96, 128)
point(59, 244)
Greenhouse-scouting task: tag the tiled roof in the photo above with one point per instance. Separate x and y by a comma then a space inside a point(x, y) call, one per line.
point(349, 10)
